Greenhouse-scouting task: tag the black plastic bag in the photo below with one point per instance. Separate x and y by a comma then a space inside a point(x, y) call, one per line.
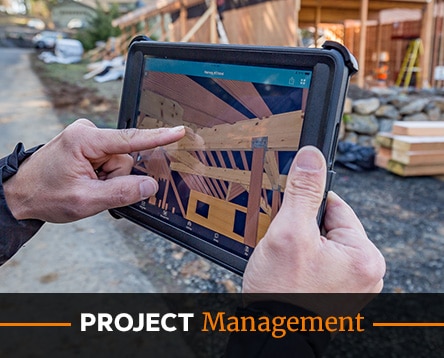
point(355, 157)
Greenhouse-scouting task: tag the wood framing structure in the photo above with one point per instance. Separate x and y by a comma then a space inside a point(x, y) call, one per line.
point(228, 173)
point(276, 22)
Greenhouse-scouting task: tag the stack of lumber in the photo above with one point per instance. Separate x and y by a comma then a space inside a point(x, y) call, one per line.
point(412, 148)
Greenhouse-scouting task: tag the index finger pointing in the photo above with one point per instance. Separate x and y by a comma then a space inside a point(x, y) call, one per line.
point(121, 141)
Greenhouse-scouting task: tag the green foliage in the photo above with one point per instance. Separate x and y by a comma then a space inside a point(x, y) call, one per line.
point(99, 28)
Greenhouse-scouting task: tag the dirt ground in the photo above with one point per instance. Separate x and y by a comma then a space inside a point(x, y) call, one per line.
point(74, 97)
point(404, 217)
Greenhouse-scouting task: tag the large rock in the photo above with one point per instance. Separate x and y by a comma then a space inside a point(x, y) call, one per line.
point(350, 137)
point(438, 102)
point(366, 106)
point(401, 101)
point(434, 113)
point(386, 124)
point(415, 106)
point(362, 124)
point(388, 111)
point(415, 117)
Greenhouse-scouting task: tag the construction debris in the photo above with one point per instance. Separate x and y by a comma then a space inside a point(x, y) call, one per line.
point(106, 70)
point(66, 51)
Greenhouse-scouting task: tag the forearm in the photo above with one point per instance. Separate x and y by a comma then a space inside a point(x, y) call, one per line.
point(14, 233)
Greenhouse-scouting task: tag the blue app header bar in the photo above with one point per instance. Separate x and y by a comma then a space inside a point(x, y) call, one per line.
point(255, 74)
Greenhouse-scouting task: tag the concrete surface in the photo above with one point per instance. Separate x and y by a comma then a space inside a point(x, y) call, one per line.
point(87, 256)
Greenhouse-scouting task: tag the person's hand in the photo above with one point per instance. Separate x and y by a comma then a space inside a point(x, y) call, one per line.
point(295, 257)
point(83, 171)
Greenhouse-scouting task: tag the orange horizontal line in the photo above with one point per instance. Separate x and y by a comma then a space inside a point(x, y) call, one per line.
point(35, 324)
point(408, 324)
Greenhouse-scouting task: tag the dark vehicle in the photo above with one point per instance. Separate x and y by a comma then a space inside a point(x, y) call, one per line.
point(47, 39)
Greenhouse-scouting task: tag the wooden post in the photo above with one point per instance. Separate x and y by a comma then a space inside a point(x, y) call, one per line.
point(183, 19)
point(162, 25)
point(297, 8)
point(427, 43)
point(213, 28)
point(317, 21)
point(362, 42)
point(259, 146)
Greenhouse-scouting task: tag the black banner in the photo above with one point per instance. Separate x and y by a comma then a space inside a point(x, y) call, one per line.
point(200, 325)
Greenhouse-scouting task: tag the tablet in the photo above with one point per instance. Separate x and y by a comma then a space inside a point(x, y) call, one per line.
point(246, 110)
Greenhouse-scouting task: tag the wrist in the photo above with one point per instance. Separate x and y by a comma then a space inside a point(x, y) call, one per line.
point(15, 198)
point(14, 187)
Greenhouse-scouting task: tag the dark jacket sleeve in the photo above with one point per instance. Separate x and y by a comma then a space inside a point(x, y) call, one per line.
point(261, 345)
point(13, 233)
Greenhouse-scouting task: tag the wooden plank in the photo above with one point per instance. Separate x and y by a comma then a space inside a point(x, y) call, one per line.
point(254, 193)
point(283, 132)
point(223, 165)
point(384, 139)
point(231, 175)
point(189, 94)
point(152, 9)
point(246, 94)
point(212, 184)
point(271, 167)
point(383, 155)
point(234, 189)
point(407, 143)
point(386, 152)
point(164, 109)
point(419, 128)
point(276, 203)
point(418, 157)
point(222, 187)
point(381, 161)
point(415, 170)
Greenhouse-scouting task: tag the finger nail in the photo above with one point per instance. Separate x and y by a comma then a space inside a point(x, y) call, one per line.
point(309, 158)
point(148, 188)
point(178, 128)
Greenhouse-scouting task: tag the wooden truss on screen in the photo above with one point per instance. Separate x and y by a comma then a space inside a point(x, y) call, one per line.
point(205, 157)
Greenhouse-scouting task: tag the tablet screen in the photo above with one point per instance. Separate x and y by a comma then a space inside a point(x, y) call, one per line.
point(224, 181)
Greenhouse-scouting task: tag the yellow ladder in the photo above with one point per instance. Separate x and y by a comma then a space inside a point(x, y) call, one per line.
point(410, 63)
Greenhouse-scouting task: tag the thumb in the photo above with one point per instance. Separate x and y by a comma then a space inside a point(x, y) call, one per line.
point(305, 185)
point(122, 191)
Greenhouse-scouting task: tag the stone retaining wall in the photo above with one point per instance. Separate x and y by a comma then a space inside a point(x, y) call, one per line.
point(368, 112)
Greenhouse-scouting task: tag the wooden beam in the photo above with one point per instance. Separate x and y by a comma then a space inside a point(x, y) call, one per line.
point(247, 95)
point(230, 175)
point(188, 94)
point(163, 109)
point(271, 167)
point(317, 22)
point(283, 132)
point(183, 19)
point(414, 170)
point(425, 157)
point(420, 128)
point(427, 43)
point(213, 24)
point(362, 42)
point(297, 38)
point(197, 25)
point(409, 143)
point(259, 146)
